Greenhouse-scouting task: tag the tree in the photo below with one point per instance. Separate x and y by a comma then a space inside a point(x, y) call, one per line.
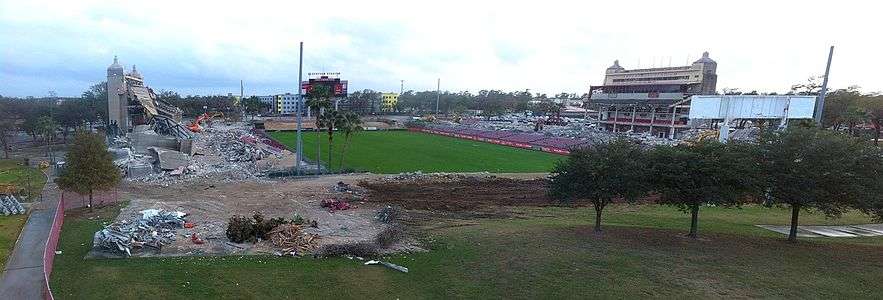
point(351, 123)
point(254, 106)
point(89, 167)
point(96, 101)
point(319, 99)
point(7, 129)
point(70, 115)
point(812, 86)
point(841, 108)
point(331, 119)
point(873, 107)
point(600, 174)
point(46, 127)
point(810, 168)
point(708, 172)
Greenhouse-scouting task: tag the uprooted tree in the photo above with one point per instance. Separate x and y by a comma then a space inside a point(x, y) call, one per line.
point(689, 176)
point(809, 168)
point(600, 174)
point(88, 166)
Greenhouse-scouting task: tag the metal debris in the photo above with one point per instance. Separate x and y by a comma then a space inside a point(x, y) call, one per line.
point(154, 229)
point(388, 265)
point(167, 126)
point(10, 206)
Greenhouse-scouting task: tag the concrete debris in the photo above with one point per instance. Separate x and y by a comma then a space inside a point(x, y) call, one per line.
point(169, 159)
point(9, 205)
point(154, 229)
point(388, 265)
point(435, 177)
point(387, 215)
point(167, 126)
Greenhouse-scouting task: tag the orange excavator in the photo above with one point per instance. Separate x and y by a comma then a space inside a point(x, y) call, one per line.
point(196, 126)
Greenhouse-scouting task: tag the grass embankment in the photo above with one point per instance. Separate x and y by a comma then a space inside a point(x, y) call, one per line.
point(14, 172)
point(24, 177)
point(10, 227)
point(403, 151)
point(544, 253)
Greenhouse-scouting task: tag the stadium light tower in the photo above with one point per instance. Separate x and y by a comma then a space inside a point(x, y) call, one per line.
point(821, 107)
point(298, 109)
point(437, 94)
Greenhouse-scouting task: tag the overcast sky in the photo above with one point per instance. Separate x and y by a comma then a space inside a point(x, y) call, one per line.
point(194, 47)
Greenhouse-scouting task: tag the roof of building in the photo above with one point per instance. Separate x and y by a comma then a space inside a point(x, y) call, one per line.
point(115, 65)
point(615, 66)
point(705, 58)
point(135, 72)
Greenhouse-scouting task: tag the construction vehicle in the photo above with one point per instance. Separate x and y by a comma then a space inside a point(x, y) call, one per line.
point(207, 117)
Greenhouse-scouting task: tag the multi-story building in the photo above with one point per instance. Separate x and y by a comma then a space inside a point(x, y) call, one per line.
point(654, 100)
point(388, 101)
point(282, 104)
point(130, 102)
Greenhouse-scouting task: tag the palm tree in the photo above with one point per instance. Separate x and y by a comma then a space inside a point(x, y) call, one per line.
point(318, 99)
point(46, 126)
point(351, 123)
point(330, 120)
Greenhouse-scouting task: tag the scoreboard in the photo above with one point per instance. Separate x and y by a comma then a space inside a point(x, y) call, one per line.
point(337, 87)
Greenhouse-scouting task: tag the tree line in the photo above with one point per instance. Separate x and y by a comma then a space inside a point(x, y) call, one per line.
point(801, 168)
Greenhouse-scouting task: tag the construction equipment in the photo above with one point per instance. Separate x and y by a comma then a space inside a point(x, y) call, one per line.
point(205, 117)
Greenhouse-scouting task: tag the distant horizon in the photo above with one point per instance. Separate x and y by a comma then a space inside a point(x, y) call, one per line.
point(66, 46)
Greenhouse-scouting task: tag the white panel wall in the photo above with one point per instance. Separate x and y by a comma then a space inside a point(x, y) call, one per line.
point(751, 107)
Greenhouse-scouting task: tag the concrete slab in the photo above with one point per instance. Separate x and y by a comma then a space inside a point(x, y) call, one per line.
point(829, 230)
point(787, 229)
point(871, 227)
point(170, 159)
point(858, 231)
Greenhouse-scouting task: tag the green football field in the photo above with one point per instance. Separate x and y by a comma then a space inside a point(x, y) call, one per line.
point(404, 151)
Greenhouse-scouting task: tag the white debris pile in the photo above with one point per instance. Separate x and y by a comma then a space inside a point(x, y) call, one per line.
point(10, 206)
point(154, 229)
point(236, 145)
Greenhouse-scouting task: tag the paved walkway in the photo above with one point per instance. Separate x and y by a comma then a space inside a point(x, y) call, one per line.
point(23, 276)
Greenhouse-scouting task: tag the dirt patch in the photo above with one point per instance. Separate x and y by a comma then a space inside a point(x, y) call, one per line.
point(210, 205)
point(462, 194)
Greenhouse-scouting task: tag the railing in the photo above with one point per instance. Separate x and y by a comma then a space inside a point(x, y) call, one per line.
point(51, 245)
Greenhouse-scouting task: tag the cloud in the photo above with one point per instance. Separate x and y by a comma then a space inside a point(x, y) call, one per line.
point(206, 47)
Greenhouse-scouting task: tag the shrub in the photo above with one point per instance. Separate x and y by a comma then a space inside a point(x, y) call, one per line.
point(389, 236)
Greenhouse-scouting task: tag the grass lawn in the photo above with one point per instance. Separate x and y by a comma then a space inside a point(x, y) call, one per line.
point(14, 172)
point(10, 226)
point(541, 253)
point(404, 151)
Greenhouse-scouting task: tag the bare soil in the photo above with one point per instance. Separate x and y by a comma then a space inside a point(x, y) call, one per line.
point(467, 194)
point(211, 204)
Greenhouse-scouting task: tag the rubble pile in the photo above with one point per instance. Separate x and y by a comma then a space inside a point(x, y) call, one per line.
point(292, 240)
point(237, 146)
point(434, 177)
point(154, 229)
point(335, 204)
point(10, 206)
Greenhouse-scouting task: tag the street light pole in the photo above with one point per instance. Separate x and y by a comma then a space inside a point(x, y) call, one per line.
point(437, 94)
point(299, 109)
point(821, 107)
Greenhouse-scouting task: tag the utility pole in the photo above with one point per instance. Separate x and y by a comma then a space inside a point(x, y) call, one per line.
point(402, 88)
point(298, 109)
point(437, 94)
point(821, 107)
